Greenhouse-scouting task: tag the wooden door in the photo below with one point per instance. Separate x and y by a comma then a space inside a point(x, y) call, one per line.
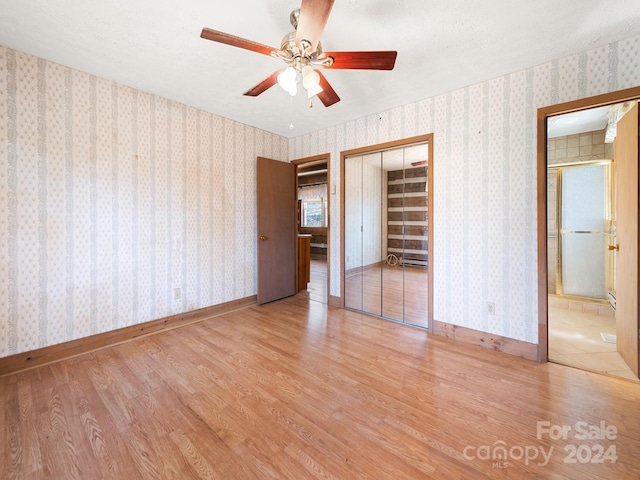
point(627, 217)
point(276, 197)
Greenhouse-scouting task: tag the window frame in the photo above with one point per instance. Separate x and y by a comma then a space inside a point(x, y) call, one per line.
point(323, 212)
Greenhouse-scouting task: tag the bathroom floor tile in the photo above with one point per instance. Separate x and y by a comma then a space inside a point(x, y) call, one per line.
point(575, 339)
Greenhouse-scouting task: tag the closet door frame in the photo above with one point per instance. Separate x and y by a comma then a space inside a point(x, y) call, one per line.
point(407, 142)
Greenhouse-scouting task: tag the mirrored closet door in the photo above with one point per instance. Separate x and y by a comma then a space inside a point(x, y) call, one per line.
point(386, 233)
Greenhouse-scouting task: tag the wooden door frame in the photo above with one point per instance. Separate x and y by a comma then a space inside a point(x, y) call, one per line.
point(405, 142)
point(317, 158)
point(543, 113)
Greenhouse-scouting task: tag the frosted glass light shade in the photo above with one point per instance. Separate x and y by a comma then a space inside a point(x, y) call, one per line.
point(311, 92)
point(287, 79)
point(310, 78)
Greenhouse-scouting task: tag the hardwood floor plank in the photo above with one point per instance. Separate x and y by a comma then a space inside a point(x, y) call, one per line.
point(31, 454)
point(291, 468)
point(200, 466)
point(13, 459)
point(4, 426)
point(314, 468)
point(262, 464)
point(48, 448)
point(107, 464)
point(296, 389)
point(63, 421)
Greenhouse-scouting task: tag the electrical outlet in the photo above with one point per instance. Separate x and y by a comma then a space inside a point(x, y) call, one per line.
point(177, 293)
point(491, 308)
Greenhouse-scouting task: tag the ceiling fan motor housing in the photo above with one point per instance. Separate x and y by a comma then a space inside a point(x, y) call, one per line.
point(293, 52)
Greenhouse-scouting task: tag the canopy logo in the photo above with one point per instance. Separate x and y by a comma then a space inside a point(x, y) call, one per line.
point(586, 443)
point(501, 455)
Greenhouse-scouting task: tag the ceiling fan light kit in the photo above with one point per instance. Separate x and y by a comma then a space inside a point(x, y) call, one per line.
point(289, 77)
point(301, 50)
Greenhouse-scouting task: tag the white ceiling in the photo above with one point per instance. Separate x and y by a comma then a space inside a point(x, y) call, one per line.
point(155, 46)
point(398, 158)
point(590, 120)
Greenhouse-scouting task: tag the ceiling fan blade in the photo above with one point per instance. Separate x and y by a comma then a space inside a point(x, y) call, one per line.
point(221, 37)
point(266, 84)
point(328, 95)
point(313, 18)
point(381, 60)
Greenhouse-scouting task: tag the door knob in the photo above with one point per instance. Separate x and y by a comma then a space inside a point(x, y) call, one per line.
point(262, 238)
point(614, 247)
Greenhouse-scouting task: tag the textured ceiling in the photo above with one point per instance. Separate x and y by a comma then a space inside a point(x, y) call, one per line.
point(590, 120)
point(155, 46)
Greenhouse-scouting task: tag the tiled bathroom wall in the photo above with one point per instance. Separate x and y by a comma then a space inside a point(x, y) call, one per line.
point(576, 148)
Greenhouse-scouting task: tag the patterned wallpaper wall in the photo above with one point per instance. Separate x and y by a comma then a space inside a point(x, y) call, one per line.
point(485, 194)
point(363, 205)
point(110, 199)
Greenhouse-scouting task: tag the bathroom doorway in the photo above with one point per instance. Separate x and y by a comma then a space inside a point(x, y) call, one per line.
point(582, 219)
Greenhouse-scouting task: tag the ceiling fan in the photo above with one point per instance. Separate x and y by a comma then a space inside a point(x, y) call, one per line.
point(301, 51)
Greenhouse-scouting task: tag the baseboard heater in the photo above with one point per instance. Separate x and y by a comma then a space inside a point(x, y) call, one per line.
point(413, 262)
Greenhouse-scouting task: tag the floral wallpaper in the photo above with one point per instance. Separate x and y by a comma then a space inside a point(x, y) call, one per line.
point(116, 207)
point(485, 172)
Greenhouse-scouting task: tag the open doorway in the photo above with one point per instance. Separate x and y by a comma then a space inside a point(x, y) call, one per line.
point(584, 213)
point(313, 225)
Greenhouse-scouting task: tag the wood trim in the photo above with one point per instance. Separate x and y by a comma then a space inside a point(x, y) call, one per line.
point(427, 138)
point(61, 351)
point(343, 155)
point(543, 113)
point(336, 301)
point(590, 102)
point(387, 145)
point(543, 274)
point(314, 159)
point(487, 340)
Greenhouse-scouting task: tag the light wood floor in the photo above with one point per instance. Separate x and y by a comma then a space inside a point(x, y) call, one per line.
point(317, 287)
point(295, 389)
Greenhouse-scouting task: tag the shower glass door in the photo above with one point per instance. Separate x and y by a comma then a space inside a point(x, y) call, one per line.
point(584, 230)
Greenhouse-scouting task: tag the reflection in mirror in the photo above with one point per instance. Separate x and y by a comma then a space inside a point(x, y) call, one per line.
point(413, 251)
point(372, 214)
point(363, 234)
point(353, 270)
point(393, 271)
point(386, 241)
